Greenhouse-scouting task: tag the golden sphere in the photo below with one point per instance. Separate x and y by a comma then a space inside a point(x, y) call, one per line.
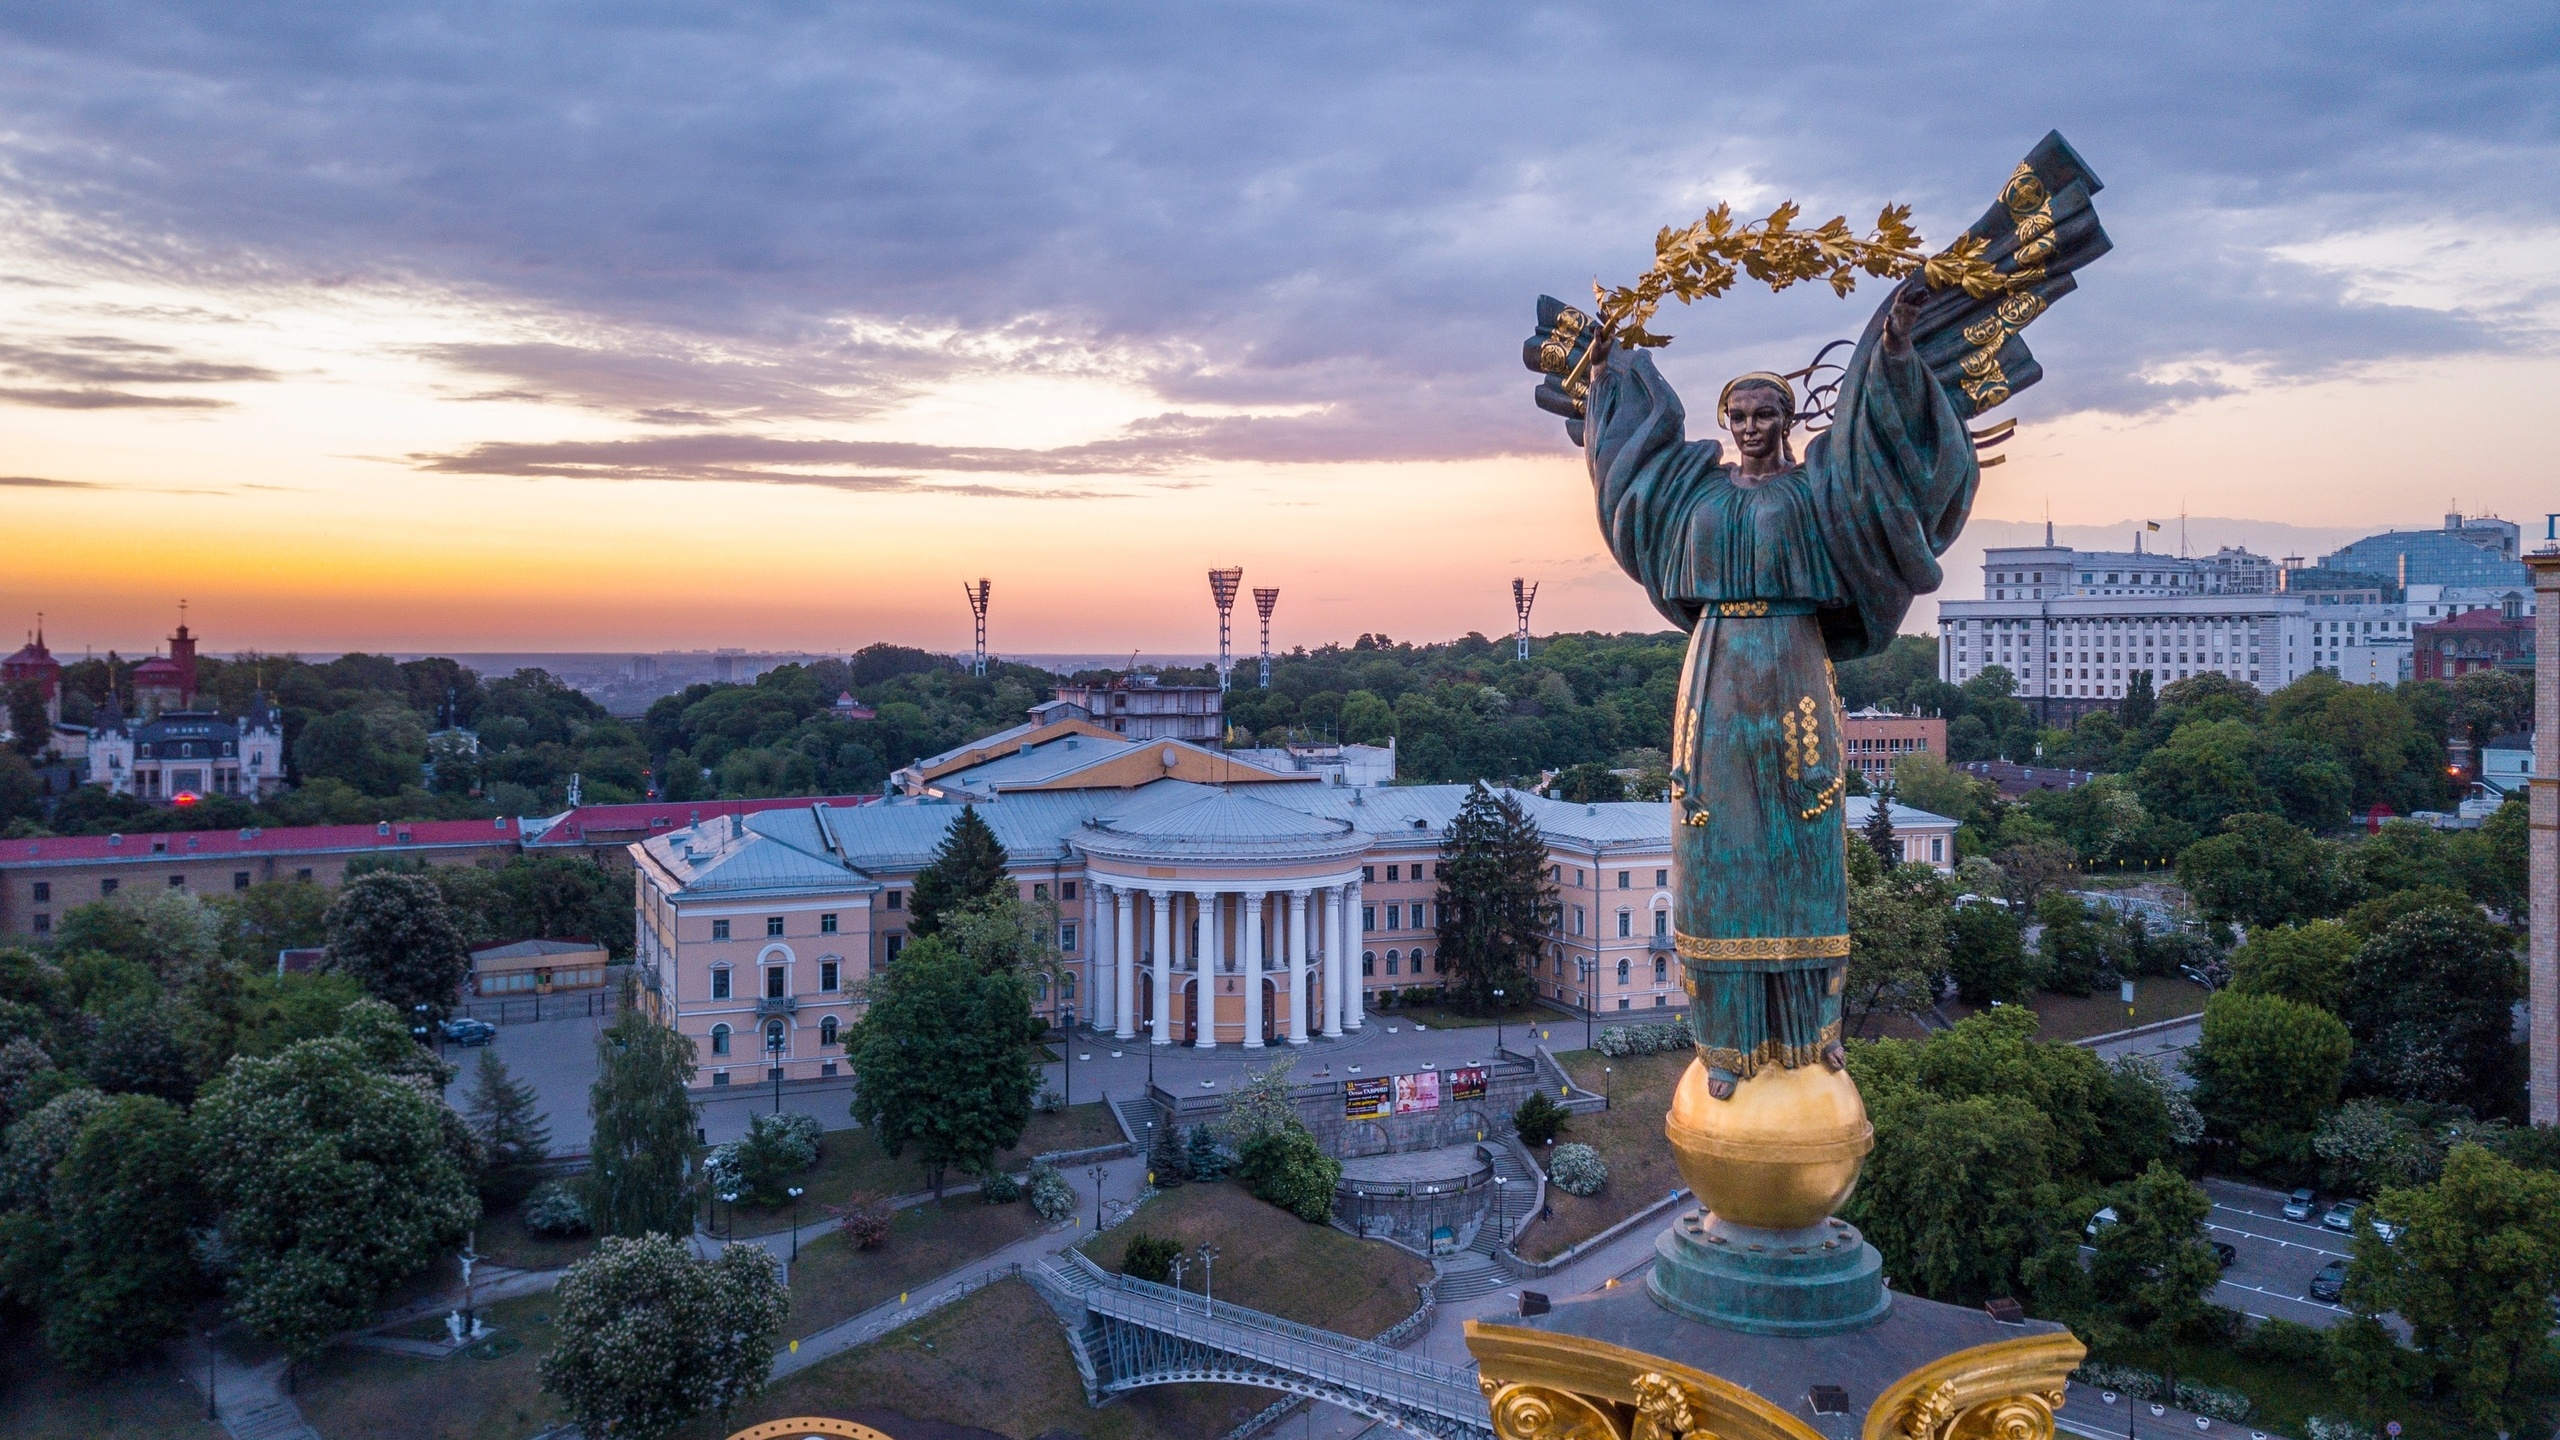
point(1781, 1154)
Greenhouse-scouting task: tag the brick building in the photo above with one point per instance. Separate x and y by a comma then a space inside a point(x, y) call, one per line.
point(2482, 639)
point(1877, 738)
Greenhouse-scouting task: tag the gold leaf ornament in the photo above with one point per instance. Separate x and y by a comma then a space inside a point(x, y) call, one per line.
point(1664, 1410)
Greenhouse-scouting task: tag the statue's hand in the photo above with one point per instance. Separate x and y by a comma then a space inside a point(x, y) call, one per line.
point(1905, 309)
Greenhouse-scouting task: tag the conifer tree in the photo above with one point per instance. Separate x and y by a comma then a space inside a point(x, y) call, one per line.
point(639, 1183)
point(968, 867)
point(514, 1141)
point(1879, 828)
point(1496, 903)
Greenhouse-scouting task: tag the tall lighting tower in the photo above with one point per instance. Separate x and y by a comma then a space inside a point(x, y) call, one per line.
point(1263, 600)
point(978, 608)
point(1524, 593)
point(1222, 588)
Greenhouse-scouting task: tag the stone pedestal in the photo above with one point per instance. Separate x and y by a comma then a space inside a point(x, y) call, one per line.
point(1817, 1280)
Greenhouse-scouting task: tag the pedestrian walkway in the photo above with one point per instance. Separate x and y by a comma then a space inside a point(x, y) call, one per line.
point(248, 1399)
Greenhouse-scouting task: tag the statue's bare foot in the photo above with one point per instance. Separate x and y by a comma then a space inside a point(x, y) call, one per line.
point(1720, 1083)
point(1834, 1056)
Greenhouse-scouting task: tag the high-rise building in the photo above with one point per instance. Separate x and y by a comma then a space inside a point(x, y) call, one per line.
point(2468, 550)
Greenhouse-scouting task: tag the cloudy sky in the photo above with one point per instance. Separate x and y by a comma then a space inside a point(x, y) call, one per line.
point(637, 325)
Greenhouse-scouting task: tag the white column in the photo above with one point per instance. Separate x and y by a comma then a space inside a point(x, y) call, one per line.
point(1161, 902)
point(1354, 997)
point(1297, 947)
point(1332, 962)
point(1097, 952)
point(1253, 970)
point(1205, 962)
point(1125, 951)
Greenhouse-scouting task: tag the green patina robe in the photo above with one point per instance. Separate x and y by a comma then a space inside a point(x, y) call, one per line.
point(1773, 581)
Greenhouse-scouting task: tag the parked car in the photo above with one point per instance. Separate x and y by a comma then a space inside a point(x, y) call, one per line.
point(2331, 1282)
point(2389, 1232)
point(2301, 1205)
point(2225, 1254)
point(2341, 1217)
point(2101, 1221)
point(463, 1030)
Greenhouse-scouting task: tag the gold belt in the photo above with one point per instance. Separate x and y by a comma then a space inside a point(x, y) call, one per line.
point(1763, 947)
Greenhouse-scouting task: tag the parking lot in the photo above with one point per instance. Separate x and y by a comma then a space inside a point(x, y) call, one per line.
point(2278, 1257)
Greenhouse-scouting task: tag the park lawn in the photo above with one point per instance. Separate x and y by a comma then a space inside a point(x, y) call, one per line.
point(1628, 1136)
point(42, 1401)
point(488, 1392)
point(503, 1240)
point(834, 1281)
point(850, 1160)
point(2077, 1017)
point(1270, 1260)
point(996, 1361)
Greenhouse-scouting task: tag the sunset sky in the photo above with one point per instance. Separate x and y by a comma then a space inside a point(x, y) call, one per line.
point(627, 327)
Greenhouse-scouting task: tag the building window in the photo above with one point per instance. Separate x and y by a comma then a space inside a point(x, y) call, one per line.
point(239, 879)
point(1577, 919)
point(1368, 962)
point(720, 982)
point(1368, 918)
point(719, 929)
point(42, 922)
point(1661, 922)
point(1039, 893)
point(1623, 972)
point(897, 900)
point(719, 1078)
point(177, 882)
point(1395, 917)
point(1067, 986)
point(1626, 923)
point(829, 975)
point(1661, 969)
point(1067, 938)
point(773, 983)
point(1661, 878)
point(1393, 957)
point(303, 875)
point(1066, 889)
point(896, 944)
point(43, 891)
point(1391, 874)
point(1938, 848)
point(720, 1033)
point(826, 924)
point(827, 1032)
point(1368, 873)
point(1622, 879)
point(772, 925)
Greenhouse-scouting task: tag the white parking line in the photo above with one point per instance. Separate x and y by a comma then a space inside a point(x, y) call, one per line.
point(2296, 1299)
point(2279, 1241)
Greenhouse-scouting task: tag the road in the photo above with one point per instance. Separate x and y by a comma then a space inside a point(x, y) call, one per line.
point(2277, 1256)
point(1385, 1045)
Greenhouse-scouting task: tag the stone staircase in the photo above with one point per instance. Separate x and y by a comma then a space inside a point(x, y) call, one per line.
point(1512, 1201)
point(1466, 1275)
point(1137, 1116)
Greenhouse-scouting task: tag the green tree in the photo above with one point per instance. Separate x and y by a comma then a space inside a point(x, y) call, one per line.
point(126, 1204)
point(2491, 703)
point(2154, 1267)
point(2430, 1000)
point(2473, 1273)
point(1587, 783)
point(2139, 702)
point(2267, 1070)
point(394, 934)
point(1878, 831)
point(1287, 1168)
point(2490, 862)
point(649, 1337)
point(1897, 945)
point(2305, 963)
point(514, 1141)
point(334, 1182)
point(2077, 948)
point(1959, 1193)
point(1367, 719)
point(639, 1181)
point(968, 869)
point(2262, 870)
point(1987, 954)
point(945, 1061)
point(1496, 904)
point(2205, 772)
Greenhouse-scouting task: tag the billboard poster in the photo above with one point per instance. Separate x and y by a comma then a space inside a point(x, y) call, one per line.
point(1367, 1099)
point(1470, 1082)
point(1418, 1092)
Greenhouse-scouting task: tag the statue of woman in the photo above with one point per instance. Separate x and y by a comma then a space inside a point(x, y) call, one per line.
point(1778, 565)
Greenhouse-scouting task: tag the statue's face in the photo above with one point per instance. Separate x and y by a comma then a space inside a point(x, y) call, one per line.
point(1759, 421)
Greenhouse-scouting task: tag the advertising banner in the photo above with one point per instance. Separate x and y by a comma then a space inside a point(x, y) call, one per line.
point(1367, 1099)
point(1470, 1082)
point(1418, 1092)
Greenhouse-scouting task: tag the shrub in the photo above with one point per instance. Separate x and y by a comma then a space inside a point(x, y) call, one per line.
point(2123, 1379)
point(1150, 1257)
point(775, 1148)
point(1287, 1168)
point(1622, 1040)
point(1578, 1170)
point(555, 1209)
point(998, 1188)
point(2330, 1427)
point(1049, 1101)
point(1539, 1119)
point(2283, 1342)
point(2213, 1400)
point(1052, 1198)
point(865, 1219)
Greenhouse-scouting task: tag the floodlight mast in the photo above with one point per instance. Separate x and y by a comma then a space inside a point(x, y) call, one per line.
point(1524, 593)
point(1222, 588)
point(978, 594)
point(1263, 600)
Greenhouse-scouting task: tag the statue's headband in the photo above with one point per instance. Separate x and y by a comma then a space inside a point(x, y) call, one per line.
point(1769, 378)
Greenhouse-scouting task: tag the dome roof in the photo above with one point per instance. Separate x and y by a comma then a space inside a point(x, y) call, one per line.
point(1225, 824)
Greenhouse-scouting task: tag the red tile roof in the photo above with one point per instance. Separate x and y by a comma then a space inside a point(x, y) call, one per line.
point(397, 835)
point(615, 823)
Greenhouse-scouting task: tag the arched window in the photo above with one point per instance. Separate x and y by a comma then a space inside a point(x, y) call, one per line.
point(774, 1036)
point(1661, 969)
point(1622, 972)
point(827, 1031)
point(1368, 962)
point(1040, 988)
point(719, 1033)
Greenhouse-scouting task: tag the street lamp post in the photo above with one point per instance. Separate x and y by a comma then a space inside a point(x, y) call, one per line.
point(2124, 989)
point(1180, 1264)
point(731, 1232)
point(1608, 1087)
point(1497, 1027)
point(212, 1373)
point(1097, 1172)
point(773, 1062)
point(796, 1193)
point(1208, 1260)
point(1586, 965)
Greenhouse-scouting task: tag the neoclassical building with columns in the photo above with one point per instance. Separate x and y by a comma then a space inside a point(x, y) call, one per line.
point(1249, 914)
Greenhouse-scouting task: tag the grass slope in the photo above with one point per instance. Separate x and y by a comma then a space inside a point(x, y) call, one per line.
point(41, 1401)
point(489, 1392)
point(851, 1160)
point(1628, 1136)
